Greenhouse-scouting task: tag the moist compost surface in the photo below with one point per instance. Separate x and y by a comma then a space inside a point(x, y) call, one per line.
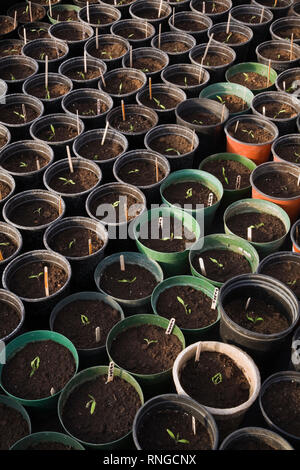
point(190, 25)
point(24, 162)
point(213, 59)
point(79, 319)
point(230, 38)
point(12, 426)
point(171, 145)
point(13, 49)
point(33, 214)
point(211, 7)
point(136, 282)
point(13, 113)
point(3, 141)
point(148, 64)
point(24, 379)
point(87, 107)
point(65, 15)
point(131, 351)
point(251, 80)
point(184, 79)
point(188, 192)
point(278, 184)
point(72, 33)
point(78, 73)
point(266, 227)
point(287, 272)
point(16, 72)
point(150, 13)
point(61, 133)
point(250, 133)
point(40, 53)
point(277, 110)
point(4, 189)
point(72, 183)
point(121, 84)
point(174, 46)
point(227, 172)
point(233, 103)
point(221, 265)
point(134, 123)
point(140, 172)
point(9, 320)
point(7, 246)
point(55, 90)
point(132, 33)
point(159, 101)
point(119, 203)
point(286, 33)
point(290, 153)
point(190, 307)
point(36, 32)
point(201, 118)
point(23, 14)
point(250, 19)
point(277, 54)
point(108, 51)
point(93, 150)
point(6, 25)
point(74, 242)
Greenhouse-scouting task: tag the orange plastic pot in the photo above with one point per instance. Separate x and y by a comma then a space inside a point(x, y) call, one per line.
point(290, 205)
point(296, 246)
point(258, 152)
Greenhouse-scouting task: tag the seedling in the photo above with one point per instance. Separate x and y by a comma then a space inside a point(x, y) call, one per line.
point(189, 193)
point(278, 56)
point(96, 157)
point(116, 203)
point(172, 237)
point(291, 283)
point(220, 99)
point(72, 242)
point(42, 55)
point(254, 320)
point(217, 378)
point(106, 53)
point(284, 188)
point(250, 132)
point(159, 103)
point(52, 132)
point(213, 7)
point(171, 149)
point(257, 225)
point(150, 341)
point(228, 37)
point(120, 87)
point(35, 364)
point(224, 175)
point(136, 170)
point(130, 36)
point(130, 281)
point(185, 81)
point(279, 112)
point(38, 211)
point(84, 320)
point(66, 181)
point(23, 165)
point(176, 438)
point(90, 112)
point(91, 404)
point(7, 244)
point(213, 260)
point(145, 70)
point(81, 74)
point(188, 311)
point(12, 77)
point(195, 121)
point(252, 18)
point(131, 127)
point(11, 50)
point(47, 96)
point(36, 276)
point(21, 116)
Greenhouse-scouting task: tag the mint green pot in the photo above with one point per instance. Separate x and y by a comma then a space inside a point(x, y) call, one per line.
point(91, 374)
point(191, 335)
point(253, 67)
point(221, 241)
point(11, 403)
point(59, 7)
point(171, 263)
point(224, 88)
point(46, 436)
point(18, 344)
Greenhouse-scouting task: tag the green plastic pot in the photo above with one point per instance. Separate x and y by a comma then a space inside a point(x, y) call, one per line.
point(196, 334)
point(221, 241)
point(155, 382)
point(259, 205)
point(11, 403)
point(231, 195)
point(45, 436)
point(203, 177)
point(85, 376)
point(253, 67)
point(59, 8)
point(19, 343)
point(218, 89)
point(172, 263)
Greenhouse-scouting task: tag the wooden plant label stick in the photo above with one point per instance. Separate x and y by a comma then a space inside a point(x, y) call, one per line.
point(283, 85)
point(122, 263)
point(50, 8)
point(262, 15)
point(207, 47)
point(215, 299)
point(249, 234)
point(15, 19)
point(269, 72)
point(88, 12)
point(24, 112)
point(77, 120)
point(150, 88)
point(46, 281)
point(25, 35)
point(123, 110)
point(85, 61)
point(110, 373)
point(210, 199)
point(247, 303)
point(156, 170)
point(275, 4)
point(46, 72)
point(159, 36)
point(193, 139)
point(70, 159)
point(105, 133)
point(98, 106)
point(223, 111)
point(236, 126)
point(298, 182)
point(202, 267)
point(297, 234)
point(30, 12)
point(198, 351)
point(292, 43)
point(200, 71)
point(160, 8)
point(90, 246)
point(1, 256)
point(194, 425)
point(130, 57)
point(60, 206)
point(52, 391)
point(173, 17)
point(203, 8)
point(238, 182)
point(38, 166)
point(170, 326)
point(98, 334)
point(97, 38)
point(264, 110)
point(126, 211)
point(228, 23)
point(102, 77)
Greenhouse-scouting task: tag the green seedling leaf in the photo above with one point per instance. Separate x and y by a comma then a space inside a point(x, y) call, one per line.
point(35, 364)
point(254, 320)
point(213, 260)
point(127, 280)
point(150, 341)
point(4, 244)
point(35, 276)
point(91, 404)
point(224, 175)
point(188, 311)
point(189, 193)
point(66, 181)
point(220, 99)
point(291, 283)
point(171, 149)
point(23, 165)
point(136, 170)
point(84, 319)
point(71, 243)
point(217, 378)
point(116, 203)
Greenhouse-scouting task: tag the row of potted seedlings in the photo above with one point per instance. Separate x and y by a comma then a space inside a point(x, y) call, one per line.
point(79, 125)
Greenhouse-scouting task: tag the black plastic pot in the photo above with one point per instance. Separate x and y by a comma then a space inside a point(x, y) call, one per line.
point(131, 73)
point(122, 7)
point(9, 180)
point(30, 179)
point(183, 18)
point(175, 57)
point(13, 234)
point(177, 162)
point(7, 65)
point(278, 65)
point(147, 53)
point(263, 436)
point(41, 11)
point(62, 29)
point(278, 147)
point(9, 20)
point(4, 133)
point(211, 137)
point(21, 131)
point(96, 135)
point(13, 301)
point(75, 202)
point(282, 24)
point(140, 8)
point(179, 5)
point(295, 9)
point(278, 11)
point(107, 39)
point(31, 50)
point(201, 75)
point(35, 29)
point(59, 147)
point(93, 120)
point(241, 49)
point(145, 28)
point(217, 72)
point(289, 76)
point(77, 63)
point(197, 6)
point(82, 267)
point(95, 12)
point(150, 191)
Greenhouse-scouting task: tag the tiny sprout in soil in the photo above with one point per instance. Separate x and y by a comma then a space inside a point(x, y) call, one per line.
point(257, 225)
point(66, 181)
point(251, 133)
point(42, 56)
point(297, 155)
point(224, 175)
point(131, 127)
point(188, 311)
point(217, 378)
point(116, 203)
point(38, 211)
point(35, 276)
point(21, 116)
point(292, 283)
point(130, 35)
point(91, 404)
point(7, 244)
point(136, 170)
point(81, 74)
point(185, 81)
point(254, 320)
point(127, 280)
point(84, 319)
point(12, 76)
point(52, 132)
point(213, 260)
point(35, 364)
point(47, 97)
point(120, 87)
point(150, 341)
point(71, 243)
point(221, 99)
point(23, 165)
point(176, 438)
point(159, 104)
point(279, 112)
point(145, 70)
point(105, 53)
point(189, 193)
point(90, 112)
point(228, 37)
point(246, 76)
point(171, 149)
point(195, 121)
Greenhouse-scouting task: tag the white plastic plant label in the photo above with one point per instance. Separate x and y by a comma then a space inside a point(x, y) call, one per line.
point(170, 326)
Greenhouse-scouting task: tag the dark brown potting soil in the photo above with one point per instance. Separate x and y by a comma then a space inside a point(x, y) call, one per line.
point(183, 79)
point(190, 307)
point(9, 320)
point(190, 25)
point(148, 64)
point(49, 446)
point(93, 150)
point(250, 133)
point(54, 90)
point(287, 272)
point(79, 319)
point(108, 51)
point(261, 316)
point(291, 84)
point(78, 73)
point(23, 13)
point(36, 32)
point(72, 183)
point(159, 101)
point(265, 227)
point(173, 237)
point(150, 13)
point(24, 162)
point(100, 19)
point(13, 49)
point(249, 443)
point(250, 19)
point(277, 110)
point(173, 46)
point(278, 184)
point(211, 6)
point(121, 84)
point(61, 133)
point(40, 53)
point(33, 213)
point(171, 145)
point(230, 38)
point(251, 80)
point(201, 118)
point(131, 351)
point(13, 113)
point(134, 123)
point(6, 25)
point(118, 202)
point(65, 15)
point(188, 192)
point(213, 59)
point(28, 281)
point(286, 33)
point(227, 172)
point(281, 404)
point(116, 404)
point(290, 153)
point(15, 72)
point(153, 431)
point(277, 54)
point(3, 141)
point(13, 426)
point(7, 246)
point(72, 33)
point(130, 32)
point(87, 107)
point(215, 381)
point(55, 369)
point(74, 242)
point(4, 189)
point(136, 282)
point(221, 265)
point(233, 103)
point(141, 172)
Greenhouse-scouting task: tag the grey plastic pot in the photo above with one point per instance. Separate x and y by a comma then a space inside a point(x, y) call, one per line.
point(279, 145)
point(216, 72)
point(92, 121)
point(282, 24)
point(36, 25)
point(32, 236)
point(278, 11)
point(137, 8)
point(7, 64)
point(262, 347)
point(62, 29)
point(151, 191)
point(29, 442)
point(278, 65)
point(32, 48)
point(241, 49)
point(143, 27)
point(59, 147)
point(77, 63)
point(9, 180)
point(197, 6)
point(177, 162)
point(13, 234)
point(75, 201)
point(53, 104)
point(14, 302)
point(175, 57)
point(166, 115)
point(130, 73)
point(295, 357)
point(204, 23)
point(137, 305)
point(194, 70)
point(260, 29)
point(107, 39)
point(95, 12)
point(96, 135)
point(11, 403)
point(147, 53)
point(285, 126)
point(82, 266)
point(287, 75)
point(265, 436)
point(176, 403)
